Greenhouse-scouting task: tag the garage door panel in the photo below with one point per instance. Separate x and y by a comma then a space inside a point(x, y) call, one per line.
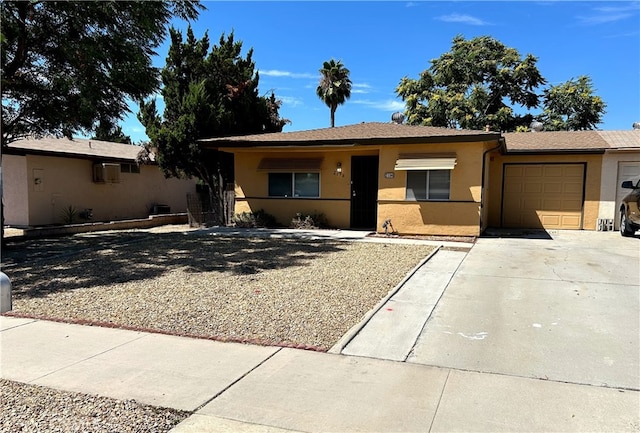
point(572, 188)
point(515, 188)
point(531, 204)
point(532, 171)
point(571, 205)
point(543, 196)
point(514, 170)
point(551, 205)
point(553, 187)
point(571, 221)
point(550, 221)
point(553, 171)
point(576, 170)
point(535, 187)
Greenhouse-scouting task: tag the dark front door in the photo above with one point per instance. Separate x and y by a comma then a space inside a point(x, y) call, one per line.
point(364, 191)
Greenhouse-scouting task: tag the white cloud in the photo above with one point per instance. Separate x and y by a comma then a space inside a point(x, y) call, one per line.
point(278, 73)
point(388, 105)
point(360, 88)
point(603, 18)
point(291, 101)
point(610, 14)
point(464, 19)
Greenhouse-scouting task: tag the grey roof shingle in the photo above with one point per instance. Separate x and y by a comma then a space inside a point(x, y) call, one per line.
point(361, 133)
point(81, 148)
point(554, 141)
point(629, 139)
point(563, 141)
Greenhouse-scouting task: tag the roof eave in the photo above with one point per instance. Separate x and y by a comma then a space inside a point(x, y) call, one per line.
point(554, 151)
point(23, 152)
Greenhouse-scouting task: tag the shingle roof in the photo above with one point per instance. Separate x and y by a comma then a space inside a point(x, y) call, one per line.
point(564, 141)
point(77, 147)
point(554, 141)
point(361, 133)
point(629, 139)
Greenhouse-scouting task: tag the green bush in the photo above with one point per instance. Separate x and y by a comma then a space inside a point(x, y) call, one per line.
point(69, 215)
point(309, 221)
point(258, 218)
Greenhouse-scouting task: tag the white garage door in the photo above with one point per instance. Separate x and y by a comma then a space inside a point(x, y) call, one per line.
point(546, 196)
point(626, 171)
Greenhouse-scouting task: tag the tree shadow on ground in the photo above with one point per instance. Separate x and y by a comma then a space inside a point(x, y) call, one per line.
point(41, 267)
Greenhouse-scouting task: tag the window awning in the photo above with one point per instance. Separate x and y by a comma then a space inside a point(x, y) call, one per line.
point(290, 164)
point(443, 161)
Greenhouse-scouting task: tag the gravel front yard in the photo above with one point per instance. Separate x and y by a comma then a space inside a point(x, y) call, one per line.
point(289, 292)
point(260, 290)
point(29, 408)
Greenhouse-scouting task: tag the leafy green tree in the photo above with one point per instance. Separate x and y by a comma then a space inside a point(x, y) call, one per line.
point(475, 84)
point(334, 87)
point(572, 106)
point(67, 64)
point(107, 131)
point(207, 93)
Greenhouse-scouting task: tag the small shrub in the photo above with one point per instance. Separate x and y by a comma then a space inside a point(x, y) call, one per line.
point(258, 218)
point(309, 221)
point(69, 215)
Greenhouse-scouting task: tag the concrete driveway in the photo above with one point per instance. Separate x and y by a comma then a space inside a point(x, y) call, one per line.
point(563, 307)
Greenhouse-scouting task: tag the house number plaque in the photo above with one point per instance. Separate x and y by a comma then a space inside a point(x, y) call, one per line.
point(389, 175)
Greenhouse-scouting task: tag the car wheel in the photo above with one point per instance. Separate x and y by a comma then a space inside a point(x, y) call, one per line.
point(625, 228)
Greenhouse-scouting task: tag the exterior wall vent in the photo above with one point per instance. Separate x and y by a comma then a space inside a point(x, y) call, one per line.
point(605, 225)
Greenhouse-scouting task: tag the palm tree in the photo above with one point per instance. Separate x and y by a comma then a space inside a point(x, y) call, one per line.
point(335, 86)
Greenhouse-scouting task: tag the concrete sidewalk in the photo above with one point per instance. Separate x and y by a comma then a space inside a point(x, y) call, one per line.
point(242, 388)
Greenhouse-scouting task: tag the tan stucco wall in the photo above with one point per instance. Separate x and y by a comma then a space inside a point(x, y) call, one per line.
point(252, 186)
point(68, 182)
point(591, 186)
point(458, 216)
point(15, 190)
point(609, 208)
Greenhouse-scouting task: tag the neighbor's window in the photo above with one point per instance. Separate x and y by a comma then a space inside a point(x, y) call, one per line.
point(106, 173)
point(129, 168)
point(428, 184)
point(294, 184)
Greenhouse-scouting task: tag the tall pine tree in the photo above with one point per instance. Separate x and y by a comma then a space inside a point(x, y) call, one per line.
point(207, 93)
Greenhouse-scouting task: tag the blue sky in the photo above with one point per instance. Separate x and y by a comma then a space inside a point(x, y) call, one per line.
point(382, 41)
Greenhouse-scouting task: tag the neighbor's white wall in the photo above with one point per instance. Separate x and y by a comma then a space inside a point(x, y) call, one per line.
point(15, 190)
point(609, 183)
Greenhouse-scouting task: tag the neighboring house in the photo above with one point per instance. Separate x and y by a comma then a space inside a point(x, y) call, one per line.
point(430, 180)
point(620, 162)
point(44, 178)
point(425, 180)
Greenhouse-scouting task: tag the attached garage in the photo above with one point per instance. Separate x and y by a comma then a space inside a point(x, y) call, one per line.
point(548, 196)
